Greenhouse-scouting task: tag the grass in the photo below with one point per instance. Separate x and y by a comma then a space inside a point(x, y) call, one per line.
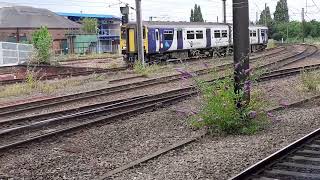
point(145, 70)
point(34, 85)
point(311, 81)
point(271, 44)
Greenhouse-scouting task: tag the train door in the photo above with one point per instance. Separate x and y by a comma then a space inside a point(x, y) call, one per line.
point(180, 39)
point(208, 36)
point(157, 40)
point(264, 36)
point(259, 36)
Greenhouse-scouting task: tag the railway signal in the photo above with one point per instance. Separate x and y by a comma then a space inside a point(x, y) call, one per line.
point(241, 48)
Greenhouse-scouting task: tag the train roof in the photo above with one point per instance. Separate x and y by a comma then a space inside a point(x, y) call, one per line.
point(183, 24)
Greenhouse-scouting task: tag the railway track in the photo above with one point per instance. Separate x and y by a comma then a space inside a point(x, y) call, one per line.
point(19, 108)
point(101, 71)
point(18, 131)
point(66, 75)
point(24, 130)
point(298, 161)
point(21, 130)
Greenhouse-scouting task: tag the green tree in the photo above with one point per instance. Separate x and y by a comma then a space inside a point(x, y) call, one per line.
point(196, 14)
point(192, 16)
point(89, 25)
point(265, 17)
point(282, 12)
point(42, 42)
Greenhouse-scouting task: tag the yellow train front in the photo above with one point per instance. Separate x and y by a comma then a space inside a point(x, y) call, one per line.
point(128, 42)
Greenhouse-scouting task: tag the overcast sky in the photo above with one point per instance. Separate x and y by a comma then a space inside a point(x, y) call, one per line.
point(170, 10)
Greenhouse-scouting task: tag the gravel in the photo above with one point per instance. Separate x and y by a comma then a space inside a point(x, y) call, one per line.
point(90, 153)
point(224, 157)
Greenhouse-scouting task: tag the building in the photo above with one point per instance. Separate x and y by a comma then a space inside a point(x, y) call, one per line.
point(108, 37)
point(17, 24)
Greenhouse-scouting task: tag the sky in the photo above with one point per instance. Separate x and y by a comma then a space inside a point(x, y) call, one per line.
point(170, 10)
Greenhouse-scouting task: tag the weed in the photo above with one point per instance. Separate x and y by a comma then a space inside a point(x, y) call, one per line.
point(311, 80)
point(219, 111)
point(145, 70)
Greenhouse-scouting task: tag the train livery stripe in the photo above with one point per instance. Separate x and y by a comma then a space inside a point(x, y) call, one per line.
point(132, 44)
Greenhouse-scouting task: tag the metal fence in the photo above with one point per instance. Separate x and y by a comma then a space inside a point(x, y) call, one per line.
point(14, 53)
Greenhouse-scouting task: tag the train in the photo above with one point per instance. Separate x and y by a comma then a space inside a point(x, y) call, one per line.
point(165, 41)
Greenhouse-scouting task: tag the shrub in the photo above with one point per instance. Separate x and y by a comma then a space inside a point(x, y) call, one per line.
point(42, 42)
point(311, 80)
point(89, 25)
point(219, 111)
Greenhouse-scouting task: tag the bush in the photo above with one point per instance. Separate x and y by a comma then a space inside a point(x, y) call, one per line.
point(311, 80)
point(219, 111)
point(42, 42)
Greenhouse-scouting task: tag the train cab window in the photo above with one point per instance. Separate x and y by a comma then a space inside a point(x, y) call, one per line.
point(217, 34)
point(224, 33)
point(199, 34)
point(168, 35)
point(250, 33)
point(190, 34)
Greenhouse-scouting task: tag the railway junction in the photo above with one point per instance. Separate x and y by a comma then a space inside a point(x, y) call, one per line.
point(90, 119)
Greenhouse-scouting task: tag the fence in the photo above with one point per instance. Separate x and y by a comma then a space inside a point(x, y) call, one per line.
point(14, 53)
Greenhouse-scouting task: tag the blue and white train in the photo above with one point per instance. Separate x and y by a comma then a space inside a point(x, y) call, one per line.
point(183, 40)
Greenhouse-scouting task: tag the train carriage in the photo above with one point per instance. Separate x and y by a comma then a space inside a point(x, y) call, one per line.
point(183, 40)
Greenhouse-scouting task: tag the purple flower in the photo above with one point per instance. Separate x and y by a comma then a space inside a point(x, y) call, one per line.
point(248, 71)
point(236, 66)
point(270, 115)
point(252, 114)
point(205, 65)
point(247, 86)
point(185, 74)
point(284, 103)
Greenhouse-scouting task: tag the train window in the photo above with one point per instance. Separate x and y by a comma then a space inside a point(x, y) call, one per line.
point(190, 34)
point(199, 34)
point(168, 35)
point(144, 33)
point(157, 35)
point(224, 33)
point(217, 34)
point(254, 33)
point(250, 33)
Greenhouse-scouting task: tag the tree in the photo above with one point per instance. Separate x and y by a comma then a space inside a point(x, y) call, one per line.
point(192, 16)
point(282, 12)
point(89, 25)
point(42, 42)
point(196, 14)
point(265, 14)
point(265, 17)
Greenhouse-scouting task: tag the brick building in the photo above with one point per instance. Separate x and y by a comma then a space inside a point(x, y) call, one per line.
point(17, 24)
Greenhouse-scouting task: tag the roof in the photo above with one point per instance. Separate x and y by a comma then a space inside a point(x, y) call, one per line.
point(29, 17)
point(102, 16)
point(179, 24)
point(183, 24)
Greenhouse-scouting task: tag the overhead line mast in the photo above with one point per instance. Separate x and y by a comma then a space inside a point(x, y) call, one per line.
point(241, 49)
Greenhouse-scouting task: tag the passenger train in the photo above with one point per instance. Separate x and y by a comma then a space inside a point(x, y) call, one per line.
point(182, 40)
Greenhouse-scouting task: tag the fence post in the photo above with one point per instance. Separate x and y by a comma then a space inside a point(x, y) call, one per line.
point(18, 53)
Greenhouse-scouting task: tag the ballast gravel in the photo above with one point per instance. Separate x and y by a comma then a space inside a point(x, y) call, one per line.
point(224, 157)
